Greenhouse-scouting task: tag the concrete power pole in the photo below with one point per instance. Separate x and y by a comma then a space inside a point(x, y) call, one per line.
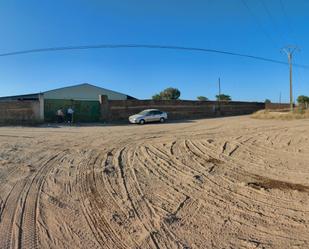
point(219, 82)
point(289, 50)
point(219, 97)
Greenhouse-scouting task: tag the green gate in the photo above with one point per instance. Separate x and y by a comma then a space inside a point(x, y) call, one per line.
point(84, 111)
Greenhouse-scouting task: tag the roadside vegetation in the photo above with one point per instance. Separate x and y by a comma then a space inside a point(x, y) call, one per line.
point(281, 115)
point(301, 111)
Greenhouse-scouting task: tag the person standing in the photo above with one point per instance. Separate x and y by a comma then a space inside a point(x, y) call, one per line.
point(60, 115)
point(70, 113)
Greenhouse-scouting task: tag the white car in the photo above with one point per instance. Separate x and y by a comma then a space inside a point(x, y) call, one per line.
point(149, 115)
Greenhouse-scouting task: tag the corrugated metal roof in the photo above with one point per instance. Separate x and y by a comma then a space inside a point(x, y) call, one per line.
point(32, 96)
point(35, 95)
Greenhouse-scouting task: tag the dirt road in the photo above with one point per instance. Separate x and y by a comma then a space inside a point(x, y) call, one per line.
point(214, 183)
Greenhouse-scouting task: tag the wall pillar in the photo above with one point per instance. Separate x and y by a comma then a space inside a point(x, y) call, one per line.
point(41, 101)
point(104, 108)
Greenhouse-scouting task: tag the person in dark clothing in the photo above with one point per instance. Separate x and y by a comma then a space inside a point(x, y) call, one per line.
point(70, 113)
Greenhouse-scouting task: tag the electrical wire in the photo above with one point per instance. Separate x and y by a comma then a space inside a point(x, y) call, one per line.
point(148, 46)
point(273, 20)
point(286, 16)
point(258, 23)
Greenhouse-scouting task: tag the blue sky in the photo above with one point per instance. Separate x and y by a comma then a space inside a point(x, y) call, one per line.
point(214, 24)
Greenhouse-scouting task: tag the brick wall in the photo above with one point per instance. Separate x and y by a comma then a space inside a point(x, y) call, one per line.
point(117, 110)
point(19, 112)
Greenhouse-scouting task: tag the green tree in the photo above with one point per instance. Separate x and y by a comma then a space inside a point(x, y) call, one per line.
point(167, 94)
point(202, 98)
point(303, 100)
point(170, 93)
point(156, 97)
point(267, 101)
point(223, 97)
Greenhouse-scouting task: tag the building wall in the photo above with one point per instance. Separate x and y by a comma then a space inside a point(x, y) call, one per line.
point(117, 110)
point(83, 92)
point(20, 112)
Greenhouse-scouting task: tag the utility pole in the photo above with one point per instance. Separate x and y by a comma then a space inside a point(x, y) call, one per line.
point(219, 89)
point(289, 50)
point(219, 96)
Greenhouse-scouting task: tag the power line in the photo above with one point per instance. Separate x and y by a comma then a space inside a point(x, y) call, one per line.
point(259, 23)
point(148, 46)
point(272, 20)
point(286, 16)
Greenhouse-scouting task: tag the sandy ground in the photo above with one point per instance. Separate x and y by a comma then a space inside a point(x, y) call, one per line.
point(214, 183)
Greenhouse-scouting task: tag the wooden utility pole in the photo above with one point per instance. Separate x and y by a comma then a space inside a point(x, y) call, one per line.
point(289, 50)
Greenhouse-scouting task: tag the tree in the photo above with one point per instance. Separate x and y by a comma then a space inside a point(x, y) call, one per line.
point(170, 93)
point(156, 97)
point(202, 98)
point(223, 97)
point(167, 94)
point(303, 100)
point(267, 101)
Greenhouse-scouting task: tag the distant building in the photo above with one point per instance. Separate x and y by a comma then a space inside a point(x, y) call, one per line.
point(85, 92)
point(84, 98)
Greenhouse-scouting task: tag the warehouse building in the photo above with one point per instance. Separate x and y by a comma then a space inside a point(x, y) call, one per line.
point(83, 98)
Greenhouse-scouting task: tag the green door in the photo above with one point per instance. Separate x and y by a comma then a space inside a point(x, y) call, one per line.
point(84, 111)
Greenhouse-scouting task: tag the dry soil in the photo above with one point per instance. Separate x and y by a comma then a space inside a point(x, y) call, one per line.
point(214, 183)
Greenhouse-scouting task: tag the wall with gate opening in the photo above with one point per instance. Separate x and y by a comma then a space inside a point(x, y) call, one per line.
point(84, 111)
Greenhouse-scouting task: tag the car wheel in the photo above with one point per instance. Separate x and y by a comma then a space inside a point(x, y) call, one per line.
point(142, 121)
point(162, 120)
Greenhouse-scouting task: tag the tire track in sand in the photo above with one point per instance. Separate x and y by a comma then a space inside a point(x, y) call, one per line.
point(18, 222)
point(92, 205)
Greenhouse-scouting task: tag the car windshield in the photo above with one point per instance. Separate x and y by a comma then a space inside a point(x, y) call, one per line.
point(144, 112)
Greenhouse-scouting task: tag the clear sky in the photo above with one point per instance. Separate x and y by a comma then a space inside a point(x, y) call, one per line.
point(214, 24)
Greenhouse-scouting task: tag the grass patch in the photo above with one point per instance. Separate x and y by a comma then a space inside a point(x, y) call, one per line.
point(281, 114)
